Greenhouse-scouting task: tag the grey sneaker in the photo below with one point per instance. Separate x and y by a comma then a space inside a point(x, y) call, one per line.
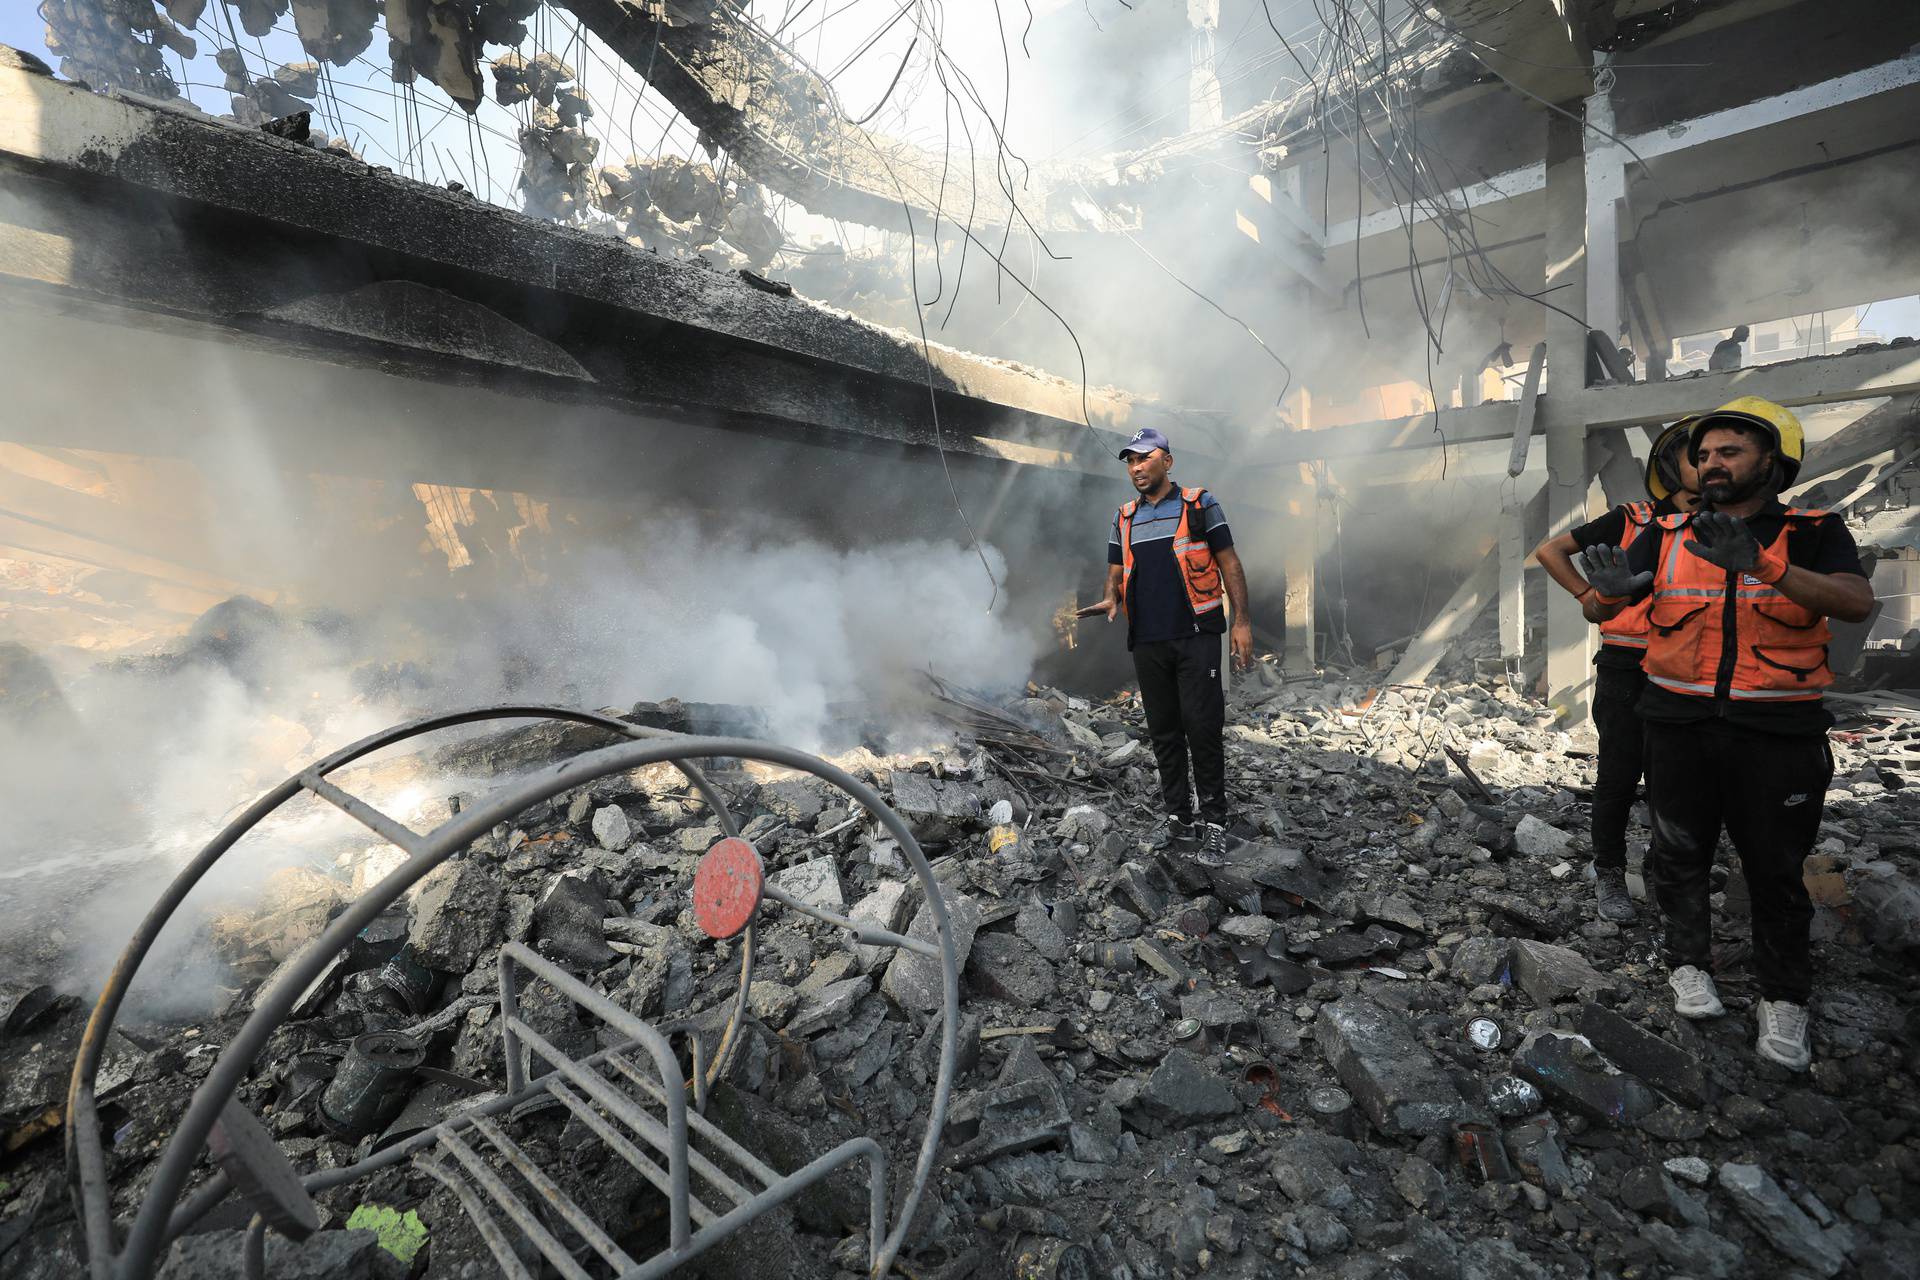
point(1610, 891)
point(1183, 836)
point(1694, 995)
point(1213, 840)
point(1783, 1035)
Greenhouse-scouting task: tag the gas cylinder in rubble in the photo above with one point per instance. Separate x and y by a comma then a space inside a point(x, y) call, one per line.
point(1003, 838)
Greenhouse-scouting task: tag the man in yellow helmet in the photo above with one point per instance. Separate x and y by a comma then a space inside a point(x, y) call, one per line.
point(1672, 487)
point(1739, 596)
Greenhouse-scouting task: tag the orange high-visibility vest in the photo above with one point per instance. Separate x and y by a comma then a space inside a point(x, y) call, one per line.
point(1628, 628)
point(1198, 571)
point(1717, 634)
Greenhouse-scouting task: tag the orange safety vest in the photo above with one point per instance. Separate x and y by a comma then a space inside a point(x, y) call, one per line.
point(1628, 628)
point(1718, 634)
point(1195, 558)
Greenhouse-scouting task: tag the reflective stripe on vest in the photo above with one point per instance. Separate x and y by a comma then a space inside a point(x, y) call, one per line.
point(1712, 636)
point(1628, 628)
point(1198, 572)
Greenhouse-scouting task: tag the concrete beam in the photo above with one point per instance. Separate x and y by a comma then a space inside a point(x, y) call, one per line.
point(1529, 43)
point(291, 223)
point(1889, 426)
point(1863, 375)
point(1719, 126)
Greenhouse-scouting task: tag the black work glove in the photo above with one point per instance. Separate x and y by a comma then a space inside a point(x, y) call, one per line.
point(1725, 541)
point(1607, 572)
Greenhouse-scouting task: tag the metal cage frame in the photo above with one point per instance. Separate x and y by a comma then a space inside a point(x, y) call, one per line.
point(445, 1151)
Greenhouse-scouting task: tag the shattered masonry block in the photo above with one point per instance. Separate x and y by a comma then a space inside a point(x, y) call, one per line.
point(1393, 1079)
point(455, 910)
point(794, 799)
point(884, 908)
point(1665, 1066)
point(1311, 1169)
point(611, 828)
point(567, 923)
point(815, 882)
point(324, 1255)
point(1135, 882)
point(1005, 968)
point(1549, 973)
point(1538, 839)
point(935, 811)
point(1012, 1118)
point(829, 1006)
point(1181, 1091)
point(1784, 1224)
point(1386, 908)
point(1569, 1070)
point(1479, 961)
point(1534, 1149)
point(914, 981)
point(1036, 927)
point(1697, 1252)
point(1082, 823)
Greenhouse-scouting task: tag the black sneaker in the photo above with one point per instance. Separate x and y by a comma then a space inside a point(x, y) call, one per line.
point(1213, 843)
point(1183, 836)
point(1610, 891)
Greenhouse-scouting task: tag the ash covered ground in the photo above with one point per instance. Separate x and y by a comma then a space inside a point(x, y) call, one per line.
point(1266, 1065)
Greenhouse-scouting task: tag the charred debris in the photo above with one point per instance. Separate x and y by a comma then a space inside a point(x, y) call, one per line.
point(1384, 1037)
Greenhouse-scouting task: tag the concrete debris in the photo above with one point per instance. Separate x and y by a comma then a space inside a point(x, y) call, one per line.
point(1538, 839)
point(1391, 1075)
point(1355, 1045)
point(611, 828)
point(1549, 973)
point(1775, 1216)
point(816, 883)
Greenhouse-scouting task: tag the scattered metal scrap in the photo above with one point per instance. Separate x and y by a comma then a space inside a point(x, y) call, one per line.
point(633, 1096)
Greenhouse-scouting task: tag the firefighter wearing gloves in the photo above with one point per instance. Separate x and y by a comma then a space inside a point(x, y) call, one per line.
point(1672, 488)
point(1738, 595)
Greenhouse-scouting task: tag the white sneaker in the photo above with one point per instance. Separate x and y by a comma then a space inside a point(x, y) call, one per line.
point(1693, 993)
point(1783, 1035)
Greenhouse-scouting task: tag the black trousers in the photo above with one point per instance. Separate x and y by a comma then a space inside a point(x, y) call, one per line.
point(1768, 790)
point(1186, 716)
point(1617, 771)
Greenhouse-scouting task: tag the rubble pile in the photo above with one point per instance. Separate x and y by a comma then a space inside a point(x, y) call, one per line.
point(677, 205)
point(1384, 1035)
point(118, 44)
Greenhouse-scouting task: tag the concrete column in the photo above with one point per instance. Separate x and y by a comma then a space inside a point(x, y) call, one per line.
point(1513, 564)
point(1300, 501)
point(1606, 182)
point(1569, 635)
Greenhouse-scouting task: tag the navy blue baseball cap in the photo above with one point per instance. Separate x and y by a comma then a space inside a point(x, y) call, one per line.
point(1146, 440)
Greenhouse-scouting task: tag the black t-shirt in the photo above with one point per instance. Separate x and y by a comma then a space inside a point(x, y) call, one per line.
point(1157, 607)
point(1610, 530)
point(1823, 547)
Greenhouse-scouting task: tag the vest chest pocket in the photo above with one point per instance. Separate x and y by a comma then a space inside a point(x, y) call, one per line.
point(1675, 631)
point(1202, 570)
point(1788, 640)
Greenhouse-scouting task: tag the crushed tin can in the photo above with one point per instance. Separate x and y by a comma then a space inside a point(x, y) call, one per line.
point(1484, 1034)
point(1481, 1153)
point(1116, 956)
point(371, 1084)
point(1332, 1107)
point(1186, 1028)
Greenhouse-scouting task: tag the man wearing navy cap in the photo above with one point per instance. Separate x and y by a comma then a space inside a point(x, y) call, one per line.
point(1172, 569)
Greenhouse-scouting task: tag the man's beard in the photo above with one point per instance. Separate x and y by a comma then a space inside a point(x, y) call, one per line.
point(1721, 493)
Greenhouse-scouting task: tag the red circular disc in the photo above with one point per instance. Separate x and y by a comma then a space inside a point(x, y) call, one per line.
point(726, 887)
